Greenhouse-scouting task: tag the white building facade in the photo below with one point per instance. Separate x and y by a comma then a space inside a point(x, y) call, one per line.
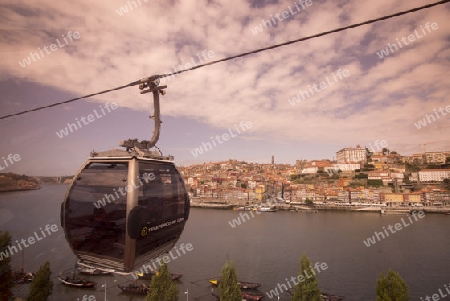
point(351, 155)
point(434, 175)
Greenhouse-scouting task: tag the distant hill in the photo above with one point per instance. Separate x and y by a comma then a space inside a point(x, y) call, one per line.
point(11, 182)
point(54, 180)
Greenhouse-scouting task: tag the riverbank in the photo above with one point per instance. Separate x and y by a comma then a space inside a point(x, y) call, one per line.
point(238, 205)
point(12, 189)
point(13, 182)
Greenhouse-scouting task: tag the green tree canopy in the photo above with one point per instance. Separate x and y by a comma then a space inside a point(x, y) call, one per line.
point(228, 287)
point(42, 286)
point(361, 176)
point(308, 289)
point(5, 267)
point(392, 287)
point(162, 288)
point(376, 183)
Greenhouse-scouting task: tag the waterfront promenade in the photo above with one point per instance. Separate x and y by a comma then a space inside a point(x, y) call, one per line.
point(211, 203)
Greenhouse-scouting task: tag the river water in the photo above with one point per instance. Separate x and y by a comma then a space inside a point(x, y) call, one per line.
point(266, 248)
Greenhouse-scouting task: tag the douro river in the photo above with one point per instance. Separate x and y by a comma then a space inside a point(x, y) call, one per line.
point(266, 248)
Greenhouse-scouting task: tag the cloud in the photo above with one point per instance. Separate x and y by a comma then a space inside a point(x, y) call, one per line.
point(381, 99)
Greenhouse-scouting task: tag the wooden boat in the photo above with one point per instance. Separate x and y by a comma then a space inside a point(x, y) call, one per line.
point(245, 296)
point(148, 276)
point(325, 296)
point(93, 271)
point(77, 282)
point(251, 297)
point(248, 285)
point(242, 284)
point(21, 277)
point(328, 297)
point(267, 209)
point(133, 288)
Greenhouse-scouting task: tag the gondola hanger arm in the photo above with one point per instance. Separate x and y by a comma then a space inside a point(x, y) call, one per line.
point(147, 85)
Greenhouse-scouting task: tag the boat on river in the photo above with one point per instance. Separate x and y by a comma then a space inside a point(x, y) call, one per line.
point(21, 277)
point(325, 296)
point(267, 209)
point(328, 297)
point(243, 284)
point(252, 296)
point(77, 282)
point(148, 276)
point(92, 271)
point(245, 296)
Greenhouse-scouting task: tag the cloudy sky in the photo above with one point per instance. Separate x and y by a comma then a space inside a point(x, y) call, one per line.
point(52, 51)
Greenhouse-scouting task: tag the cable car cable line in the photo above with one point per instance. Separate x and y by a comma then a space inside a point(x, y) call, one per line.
point(138, 82)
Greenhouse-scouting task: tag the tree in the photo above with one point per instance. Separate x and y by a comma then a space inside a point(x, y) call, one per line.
point(5, 267)
point(228, 287)
point(361, 176)
point(309, 202)
point(368, 153)
point(446, 182)
point(42, 286)
point(162, 288)
point(355, 184)
point(376, 183)
point(308, 289)
point(392, 287)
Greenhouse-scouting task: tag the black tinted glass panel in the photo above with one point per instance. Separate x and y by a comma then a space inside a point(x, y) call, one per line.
point(96, 210)
point(162, 197)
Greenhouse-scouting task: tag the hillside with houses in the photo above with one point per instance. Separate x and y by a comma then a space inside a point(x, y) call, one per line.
point(356, 176)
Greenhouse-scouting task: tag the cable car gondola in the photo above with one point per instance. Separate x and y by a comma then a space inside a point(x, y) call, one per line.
point(126, 207)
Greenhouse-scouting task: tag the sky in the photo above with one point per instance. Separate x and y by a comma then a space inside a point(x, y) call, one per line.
point(302, 101)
